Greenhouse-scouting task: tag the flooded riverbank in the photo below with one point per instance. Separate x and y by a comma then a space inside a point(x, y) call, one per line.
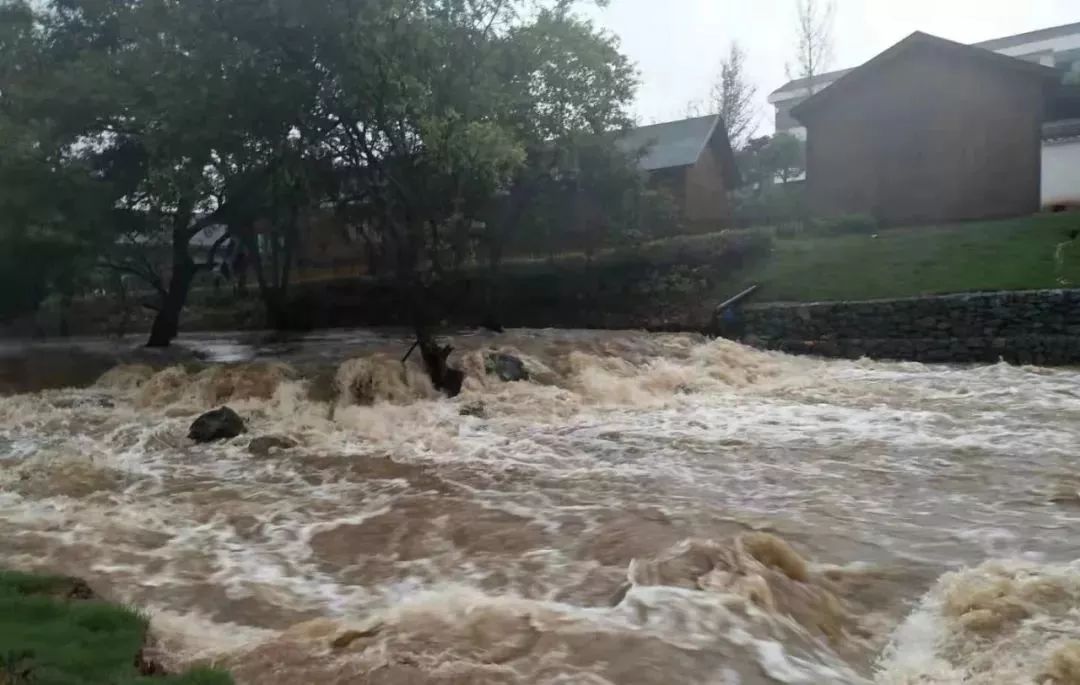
point(645, 509)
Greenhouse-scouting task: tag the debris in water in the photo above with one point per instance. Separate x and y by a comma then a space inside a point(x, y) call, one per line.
point(263, 445)
point(476, 408)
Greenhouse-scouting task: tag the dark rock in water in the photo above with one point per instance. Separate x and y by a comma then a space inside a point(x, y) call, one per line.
point(475, 408)
point(220, 424)
point(506, 366)
point(262, 445)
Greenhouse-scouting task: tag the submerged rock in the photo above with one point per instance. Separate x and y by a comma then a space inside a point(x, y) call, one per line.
point(219, 424)
point(506, 366)
point(264, 444)
point(476, 408)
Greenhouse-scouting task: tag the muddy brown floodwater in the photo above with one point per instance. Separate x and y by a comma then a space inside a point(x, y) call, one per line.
point(646, 509)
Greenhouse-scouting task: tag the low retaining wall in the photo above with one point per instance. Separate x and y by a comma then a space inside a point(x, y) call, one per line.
point(1026, 327)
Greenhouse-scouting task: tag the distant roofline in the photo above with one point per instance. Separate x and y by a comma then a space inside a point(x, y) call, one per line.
point(673, 121)
point(992, 44)
point(800, 83)
point(1029, 37)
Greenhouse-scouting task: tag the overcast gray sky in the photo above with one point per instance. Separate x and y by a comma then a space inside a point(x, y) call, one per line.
point(677, 44)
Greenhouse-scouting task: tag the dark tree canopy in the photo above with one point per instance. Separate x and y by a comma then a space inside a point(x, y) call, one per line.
point(431, 126)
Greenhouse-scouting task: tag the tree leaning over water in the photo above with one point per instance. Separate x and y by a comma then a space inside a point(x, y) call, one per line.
point(433, 123)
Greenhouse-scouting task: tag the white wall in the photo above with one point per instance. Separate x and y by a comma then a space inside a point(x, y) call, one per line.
point(1061, 173)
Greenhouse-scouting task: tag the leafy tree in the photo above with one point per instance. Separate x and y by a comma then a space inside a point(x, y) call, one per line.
point(768, 165)
point(52, 211)
point(198, 113)
point(270, 170)
point(433, 123)
point(767, 160)
point(140, 100)
point(784, 157)
point(451, 113)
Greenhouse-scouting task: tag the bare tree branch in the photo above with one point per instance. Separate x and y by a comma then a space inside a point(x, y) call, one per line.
point(734, 98)
point(212, 255)
point(149, 278)
point(815, 40)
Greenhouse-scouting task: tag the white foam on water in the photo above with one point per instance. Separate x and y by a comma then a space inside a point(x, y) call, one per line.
point(391, 494)
point(1000, 623)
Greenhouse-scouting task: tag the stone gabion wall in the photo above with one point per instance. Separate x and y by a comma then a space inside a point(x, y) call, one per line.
point(1027, 327)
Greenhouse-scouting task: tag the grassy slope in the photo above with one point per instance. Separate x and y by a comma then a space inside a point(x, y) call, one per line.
point(46, 640)
point(903, 262)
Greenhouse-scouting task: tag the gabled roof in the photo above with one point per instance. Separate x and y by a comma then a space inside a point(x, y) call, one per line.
point(671, 144)
point(995, 44)
point(920, 40)
point(1030, 37)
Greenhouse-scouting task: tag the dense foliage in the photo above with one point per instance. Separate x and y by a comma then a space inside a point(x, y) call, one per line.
point(432, 128)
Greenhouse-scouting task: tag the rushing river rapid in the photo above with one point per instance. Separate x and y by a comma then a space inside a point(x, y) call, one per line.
point(646, 509)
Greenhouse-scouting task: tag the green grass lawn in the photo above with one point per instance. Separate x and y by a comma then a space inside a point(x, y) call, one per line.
point(1013, 254)
point(48, 638)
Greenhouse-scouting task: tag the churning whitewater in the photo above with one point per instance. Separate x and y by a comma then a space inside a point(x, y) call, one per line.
point(644, 509)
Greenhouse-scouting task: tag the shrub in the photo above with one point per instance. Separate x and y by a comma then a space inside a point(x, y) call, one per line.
point(771, 206)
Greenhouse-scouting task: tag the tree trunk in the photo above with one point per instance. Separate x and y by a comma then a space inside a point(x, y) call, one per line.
point(278, 316)
point(167, 321)
point(443, 376)
point(273, 274)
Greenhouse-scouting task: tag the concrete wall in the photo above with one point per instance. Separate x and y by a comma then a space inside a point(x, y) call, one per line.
point(1061, 173)
point(1039, 327)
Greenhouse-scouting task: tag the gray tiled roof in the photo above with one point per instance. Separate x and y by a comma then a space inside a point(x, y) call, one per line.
point(671, 144)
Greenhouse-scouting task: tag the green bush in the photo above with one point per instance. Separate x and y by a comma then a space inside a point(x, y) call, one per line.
point(731, 247)
point(774, 205)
